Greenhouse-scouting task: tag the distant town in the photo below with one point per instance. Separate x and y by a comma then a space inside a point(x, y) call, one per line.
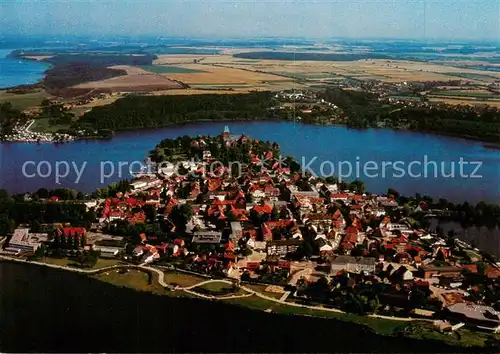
point(270, 232)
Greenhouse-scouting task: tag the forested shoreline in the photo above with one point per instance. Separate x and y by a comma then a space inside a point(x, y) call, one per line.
point(360, 110)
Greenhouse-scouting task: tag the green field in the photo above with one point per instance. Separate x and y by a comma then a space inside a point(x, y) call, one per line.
point(101, 262)
point(182, 279)
point(471, 76)
point(168, 69)
point(462, 337)
point(42, 125)
point(133, 278)
point(25, 100)
point(253, 302)
point(465, 94)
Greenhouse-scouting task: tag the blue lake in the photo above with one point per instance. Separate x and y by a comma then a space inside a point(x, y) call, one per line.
point(15, 72)
point(326, 143)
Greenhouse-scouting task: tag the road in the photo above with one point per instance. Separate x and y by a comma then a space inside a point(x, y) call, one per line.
point(188, 289)
point(28, 127)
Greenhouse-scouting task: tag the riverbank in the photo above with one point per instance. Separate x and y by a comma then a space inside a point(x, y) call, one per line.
point(152, 280)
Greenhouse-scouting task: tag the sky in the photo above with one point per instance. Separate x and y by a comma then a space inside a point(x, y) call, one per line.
point(413, 19)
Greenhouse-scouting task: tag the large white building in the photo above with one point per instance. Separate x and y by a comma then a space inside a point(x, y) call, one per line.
point(24, 241)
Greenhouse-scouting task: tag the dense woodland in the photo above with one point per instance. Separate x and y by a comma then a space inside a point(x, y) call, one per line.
point(360, 110)
point(182, 148)
point(69, 69)
point(363, 110)
point(9, 116)
point(156, 111)
point(66, 75)
point(73, 69)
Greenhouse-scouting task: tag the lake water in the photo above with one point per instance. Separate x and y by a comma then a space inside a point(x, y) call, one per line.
point(47, 310)
point(326, 143)
point(14, 72)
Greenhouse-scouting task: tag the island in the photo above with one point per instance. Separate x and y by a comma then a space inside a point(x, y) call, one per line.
point(226, 218)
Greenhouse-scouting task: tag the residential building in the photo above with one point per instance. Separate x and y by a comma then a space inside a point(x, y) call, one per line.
point(207, 237)
point(282, 247)
point(236, 230)
point(24, 241)
point(480, 316)
point(431, 271)
point(353, 264)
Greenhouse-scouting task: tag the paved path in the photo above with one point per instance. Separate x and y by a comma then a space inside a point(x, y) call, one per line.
point(28, 127)
point(285, 295)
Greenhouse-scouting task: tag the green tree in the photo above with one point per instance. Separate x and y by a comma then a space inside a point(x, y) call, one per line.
point(6, 224)
point(180, 215)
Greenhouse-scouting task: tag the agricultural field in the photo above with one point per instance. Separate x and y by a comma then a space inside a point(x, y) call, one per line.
point(203, 76)
point(480, 93)
point(24, 100)
point(374, 69)
point(464, 101)
point(198, 91)
point(42, 125)
point(169, 69)
point(136, 80)
point(174, 59)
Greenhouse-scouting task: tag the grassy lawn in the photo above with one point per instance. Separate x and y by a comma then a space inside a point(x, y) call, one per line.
point(133, 278)
point(42, 125)
point(253, 302)
point(106, 262)
point(182, 279)
point(57, 261)
point(215, 286)
point(166, 69)
point(101, 262)
point(462, 337)
point(26, 100)
point(379, 325)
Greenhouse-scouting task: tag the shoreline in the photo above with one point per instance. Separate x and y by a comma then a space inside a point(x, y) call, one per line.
point(188, 289)
point(389, 327)
point(11, 56)
point(485, 143)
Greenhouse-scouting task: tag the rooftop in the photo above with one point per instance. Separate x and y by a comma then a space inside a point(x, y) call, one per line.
point(354, 260)
point(207, 237)
point(477, 312)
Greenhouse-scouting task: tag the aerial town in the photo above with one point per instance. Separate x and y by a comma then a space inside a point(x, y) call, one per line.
point(298, 238)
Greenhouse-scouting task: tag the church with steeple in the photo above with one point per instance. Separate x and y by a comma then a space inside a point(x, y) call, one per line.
point(232, 139)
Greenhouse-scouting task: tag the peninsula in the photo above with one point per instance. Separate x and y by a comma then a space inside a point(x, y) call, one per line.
point(265, 235)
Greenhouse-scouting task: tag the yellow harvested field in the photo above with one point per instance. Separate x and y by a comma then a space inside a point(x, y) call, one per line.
point(168, 59)
point(384, 70)
point(131, 70)
point(214, 75)
point(137, 79)
point(197, 92)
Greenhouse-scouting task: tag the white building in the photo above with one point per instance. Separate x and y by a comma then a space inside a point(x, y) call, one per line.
point(24, 241)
